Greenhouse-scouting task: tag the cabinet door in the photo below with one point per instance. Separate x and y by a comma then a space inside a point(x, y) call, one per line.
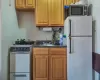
point(41, 12)
point(57, 51)
point(57, 67)
point(20, 4)
point(30, 3)
point(68, 2)
point(40, 51)
point(40, 67)
point(65, 2)
point(19, 62)
point(56, 12)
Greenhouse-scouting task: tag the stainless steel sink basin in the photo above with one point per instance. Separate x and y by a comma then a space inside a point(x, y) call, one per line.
point(47, 45)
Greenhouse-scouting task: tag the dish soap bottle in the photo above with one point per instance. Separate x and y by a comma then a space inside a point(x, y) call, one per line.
point(61, 39)
point(64, 40)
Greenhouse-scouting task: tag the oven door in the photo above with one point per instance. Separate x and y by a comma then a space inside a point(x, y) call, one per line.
point(76, 10)
point(19, 62)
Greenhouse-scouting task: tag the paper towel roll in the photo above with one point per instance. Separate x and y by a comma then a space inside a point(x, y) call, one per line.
point(47, 29)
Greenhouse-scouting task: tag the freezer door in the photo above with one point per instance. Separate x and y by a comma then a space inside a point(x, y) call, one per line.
point(79, 61)
point(19, 76)
point(80, 26)
point(19, 62)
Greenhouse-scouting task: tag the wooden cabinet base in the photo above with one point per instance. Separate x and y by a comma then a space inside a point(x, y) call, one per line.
point(57, 69)
point(48, 65)
point(40, 67)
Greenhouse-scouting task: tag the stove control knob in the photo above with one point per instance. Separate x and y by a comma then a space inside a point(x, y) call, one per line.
point(16, 49)
point(13, 49)
point(26, 49)
point(22, 49)
point(19, 49)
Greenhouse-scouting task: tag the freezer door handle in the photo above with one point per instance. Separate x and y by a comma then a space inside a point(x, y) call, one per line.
point(70, 28)
point(70, 37)
point(19, 75)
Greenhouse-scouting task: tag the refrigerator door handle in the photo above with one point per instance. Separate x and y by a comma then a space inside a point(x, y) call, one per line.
point(70, 50)
point(70, 37)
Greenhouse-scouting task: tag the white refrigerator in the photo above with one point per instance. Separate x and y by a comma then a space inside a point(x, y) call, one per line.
point(79, 47)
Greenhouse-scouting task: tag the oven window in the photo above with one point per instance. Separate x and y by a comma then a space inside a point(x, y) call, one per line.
point(77, 11)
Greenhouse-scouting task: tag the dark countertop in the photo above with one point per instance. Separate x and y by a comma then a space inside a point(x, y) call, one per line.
point(45, 46)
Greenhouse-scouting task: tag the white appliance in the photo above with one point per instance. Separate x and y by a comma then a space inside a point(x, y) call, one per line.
point(19, 60)
point(79, 47)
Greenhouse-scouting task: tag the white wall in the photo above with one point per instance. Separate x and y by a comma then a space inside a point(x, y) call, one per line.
point(0, 39)
point(11, 31)
point(96, 17)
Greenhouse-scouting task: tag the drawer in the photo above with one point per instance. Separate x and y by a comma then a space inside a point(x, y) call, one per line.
point(40, 50)
point(55, 51)
point(19, 76)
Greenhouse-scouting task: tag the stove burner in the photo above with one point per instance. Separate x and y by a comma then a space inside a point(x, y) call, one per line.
point(24, 42)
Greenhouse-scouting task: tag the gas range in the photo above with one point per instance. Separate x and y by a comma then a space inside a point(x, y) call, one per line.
point(19, 62)
point(22, 45)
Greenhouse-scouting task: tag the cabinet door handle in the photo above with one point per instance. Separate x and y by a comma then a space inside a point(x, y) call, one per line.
point(19, 75)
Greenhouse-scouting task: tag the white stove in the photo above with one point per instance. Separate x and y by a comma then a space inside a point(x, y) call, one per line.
point(19, 60)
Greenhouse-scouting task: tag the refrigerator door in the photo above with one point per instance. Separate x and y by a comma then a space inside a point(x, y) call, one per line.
point(79, 59)
point(80, 26)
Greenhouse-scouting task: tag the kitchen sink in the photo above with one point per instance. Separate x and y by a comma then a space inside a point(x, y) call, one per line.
point(47, 45)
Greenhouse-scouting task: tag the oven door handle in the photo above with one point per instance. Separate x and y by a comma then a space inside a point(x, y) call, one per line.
point(19, 75)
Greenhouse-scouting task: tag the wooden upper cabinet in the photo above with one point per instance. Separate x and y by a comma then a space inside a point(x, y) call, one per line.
point(56, 12)
point(68, 2)
point(40, 70)
point(20, 3)
point(41, 12)
point(25, 4)
point(30, 3)
point(65, 2)
point(57, 69)
point(49, 13)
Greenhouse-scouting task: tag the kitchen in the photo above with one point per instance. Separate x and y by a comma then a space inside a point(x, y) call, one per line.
point(17, 32)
